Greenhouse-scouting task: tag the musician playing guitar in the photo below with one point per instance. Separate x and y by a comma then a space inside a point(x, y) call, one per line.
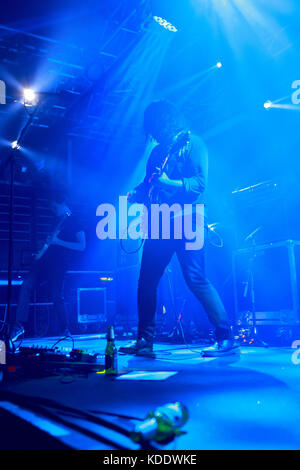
point(50, 264)
point(182, 179)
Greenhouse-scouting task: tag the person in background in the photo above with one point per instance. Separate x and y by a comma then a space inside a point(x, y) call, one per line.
point(50, 265)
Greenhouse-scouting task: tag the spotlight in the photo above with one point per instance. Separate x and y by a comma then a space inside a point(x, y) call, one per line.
point(166, 24)
point(15, 145)
point(219, 65)
point(268, 104)
point(30, 97)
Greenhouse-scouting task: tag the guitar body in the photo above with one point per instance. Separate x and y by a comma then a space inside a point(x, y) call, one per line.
point(179, 145)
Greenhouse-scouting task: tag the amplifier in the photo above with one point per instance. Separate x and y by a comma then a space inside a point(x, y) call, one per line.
point(268, 209)
point(91, 298)
point(268, 277)
point(91, 305)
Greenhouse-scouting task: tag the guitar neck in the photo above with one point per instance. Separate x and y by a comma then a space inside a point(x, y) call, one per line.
point(54, 233)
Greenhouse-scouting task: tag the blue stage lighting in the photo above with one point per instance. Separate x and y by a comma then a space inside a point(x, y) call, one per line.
point(219, 65)
point(268, 104)
point(30, 97)
point(15, 145)
point(166, 24)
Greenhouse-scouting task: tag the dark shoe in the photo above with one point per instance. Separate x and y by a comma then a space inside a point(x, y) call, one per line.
point(140, 347)
point(224, 347)
point(16, 331)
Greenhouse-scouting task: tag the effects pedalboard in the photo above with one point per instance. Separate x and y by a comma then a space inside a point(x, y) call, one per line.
point(43, 361)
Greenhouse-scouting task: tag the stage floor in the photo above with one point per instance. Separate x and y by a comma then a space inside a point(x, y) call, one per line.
point(246, 401)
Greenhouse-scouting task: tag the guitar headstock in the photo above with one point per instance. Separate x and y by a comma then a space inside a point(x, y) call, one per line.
point(180, 141)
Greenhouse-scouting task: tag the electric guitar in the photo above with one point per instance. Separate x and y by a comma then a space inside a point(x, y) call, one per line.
point(37, 256)
point(150, 193)
point(179, 146)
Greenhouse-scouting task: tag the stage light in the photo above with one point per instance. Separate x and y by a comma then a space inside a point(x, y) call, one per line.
point(15, 145)
point(219, 65)
point(267, 104)
point(166, 24)
point(30, 97)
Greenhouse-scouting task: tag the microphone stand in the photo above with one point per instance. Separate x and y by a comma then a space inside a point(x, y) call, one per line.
point(254, 338)
point(5, 334)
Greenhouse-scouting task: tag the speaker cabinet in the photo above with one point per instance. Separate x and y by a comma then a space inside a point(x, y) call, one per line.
point(266, 278)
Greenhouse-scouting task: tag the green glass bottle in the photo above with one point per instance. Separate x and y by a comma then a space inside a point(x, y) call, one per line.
point(111, 353)
point(161, 424)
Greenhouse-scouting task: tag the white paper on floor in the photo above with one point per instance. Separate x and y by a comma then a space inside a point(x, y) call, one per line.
point(147, 375)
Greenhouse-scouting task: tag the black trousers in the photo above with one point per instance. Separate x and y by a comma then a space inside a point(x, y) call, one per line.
point(156, 256)
point(40, 272)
